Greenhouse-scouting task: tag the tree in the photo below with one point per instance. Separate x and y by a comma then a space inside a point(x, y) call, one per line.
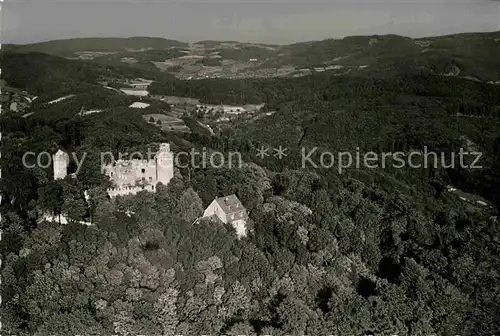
point(74, 203)
point(50, 196)
point(190, 206)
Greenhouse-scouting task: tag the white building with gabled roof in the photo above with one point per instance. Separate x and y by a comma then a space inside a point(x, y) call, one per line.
point(228, 210)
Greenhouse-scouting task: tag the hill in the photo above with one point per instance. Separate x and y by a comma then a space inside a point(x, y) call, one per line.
point(68, 47)
point(43, 74)
point(213, 43)
point(474, 55)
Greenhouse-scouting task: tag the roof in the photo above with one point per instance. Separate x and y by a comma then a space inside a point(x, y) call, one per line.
point(230, 204)
point(134, 92)
point(61, 153)
point(139, 105)
point(209, 219)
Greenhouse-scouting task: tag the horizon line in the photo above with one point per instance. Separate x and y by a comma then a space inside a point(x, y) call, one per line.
point(246, 42)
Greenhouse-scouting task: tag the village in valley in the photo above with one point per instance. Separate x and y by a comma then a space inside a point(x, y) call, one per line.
point(219, 60)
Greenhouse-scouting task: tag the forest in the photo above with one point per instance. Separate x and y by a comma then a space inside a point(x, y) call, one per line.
point(366, 252)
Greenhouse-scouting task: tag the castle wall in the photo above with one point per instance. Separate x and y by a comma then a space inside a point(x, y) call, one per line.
point(129, 173)
point(61, 219)
point(113, 192)
point(57, 219)
point(130, 176)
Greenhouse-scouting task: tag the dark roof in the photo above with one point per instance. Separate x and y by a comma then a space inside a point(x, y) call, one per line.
point(209, 219)
point(230, 204)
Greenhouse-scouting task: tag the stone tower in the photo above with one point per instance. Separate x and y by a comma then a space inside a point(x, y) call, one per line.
point(60, 161)
point(164, 164)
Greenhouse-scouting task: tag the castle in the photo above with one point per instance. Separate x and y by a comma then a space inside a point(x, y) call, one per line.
point(129, 176)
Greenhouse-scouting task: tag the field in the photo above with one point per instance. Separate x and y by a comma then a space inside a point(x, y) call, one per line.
point(168, 123)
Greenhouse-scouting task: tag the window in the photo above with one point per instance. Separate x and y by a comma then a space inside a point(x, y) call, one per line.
point(152, 187)
point(143, 170)
point(150, 178)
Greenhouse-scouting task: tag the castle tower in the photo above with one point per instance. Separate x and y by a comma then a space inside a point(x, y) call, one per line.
point(60, 161)
point(164, 164)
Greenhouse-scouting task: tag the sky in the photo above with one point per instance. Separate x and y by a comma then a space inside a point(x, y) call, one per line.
point(272, 21)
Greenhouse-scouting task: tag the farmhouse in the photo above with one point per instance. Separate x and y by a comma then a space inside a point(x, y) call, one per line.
point(233, 109)
point(130, 60)
point(208, 108)
point(227, 210)
point(139, 105)
point(140, 83)
point(252, 108)
point(226, 109)
point(135, 92)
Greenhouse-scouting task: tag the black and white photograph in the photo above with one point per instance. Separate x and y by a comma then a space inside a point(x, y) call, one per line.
point(250, 168)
